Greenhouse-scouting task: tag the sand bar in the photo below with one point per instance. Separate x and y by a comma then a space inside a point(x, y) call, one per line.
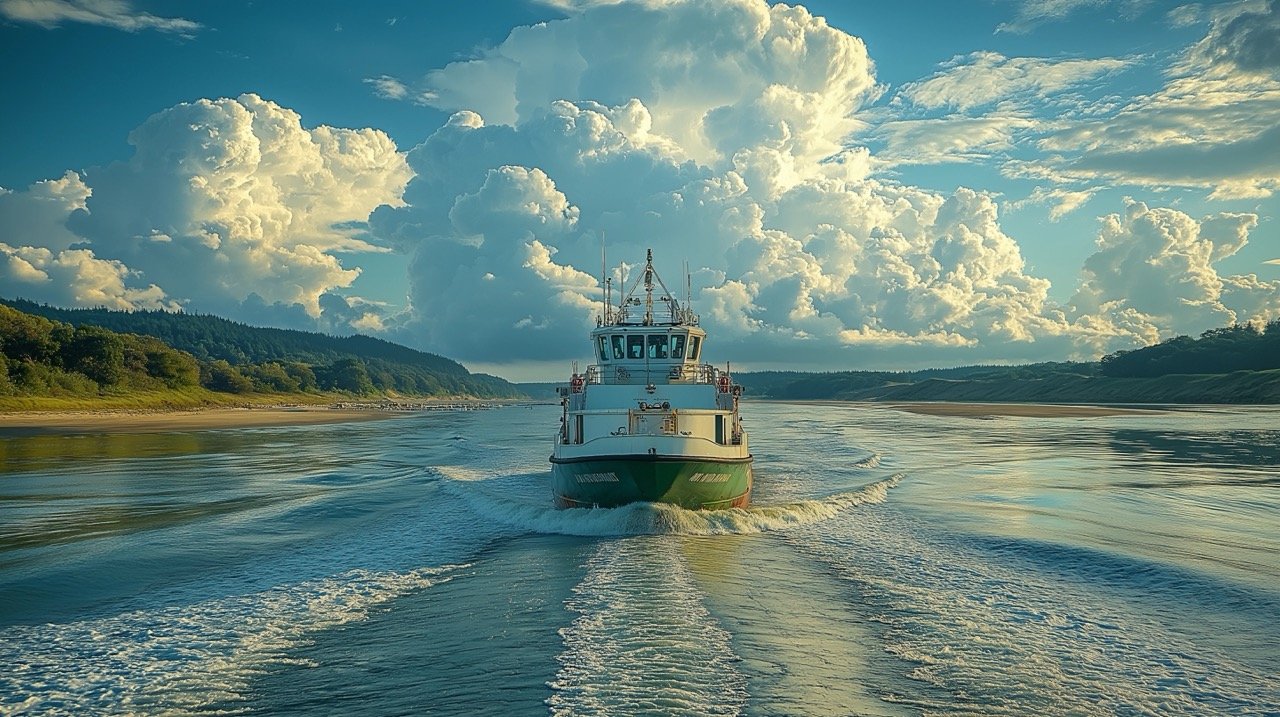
point(18, 424)
point(1025, 410)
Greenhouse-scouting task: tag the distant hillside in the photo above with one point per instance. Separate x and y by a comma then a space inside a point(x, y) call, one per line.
point(358, 364)
point(1238, 364)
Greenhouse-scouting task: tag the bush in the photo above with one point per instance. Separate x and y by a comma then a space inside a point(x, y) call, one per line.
point(222, 376)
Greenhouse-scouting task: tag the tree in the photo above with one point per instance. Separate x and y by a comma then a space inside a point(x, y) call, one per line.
point(349, 374)
point(96, 353)
point(221, 376)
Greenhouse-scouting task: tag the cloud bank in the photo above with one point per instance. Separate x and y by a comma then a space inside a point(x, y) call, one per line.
point(727, 134)
point(228, 206)
point(720, 134)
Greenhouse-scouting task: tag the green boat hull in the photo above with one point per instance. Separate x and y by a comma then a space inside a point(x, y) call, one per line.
point(609, 481)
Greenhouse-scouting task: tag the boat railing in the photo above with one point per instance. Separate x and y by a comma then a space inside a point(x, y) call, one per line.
point(679, 373)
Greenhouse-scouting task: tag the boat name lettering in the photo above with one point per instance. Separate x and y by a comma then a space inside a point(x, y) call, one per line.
point(597, 478)
point(708, 477)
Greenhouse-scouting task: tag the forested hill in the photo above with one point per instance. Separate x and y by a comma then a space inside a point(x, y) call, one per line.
point(390, 367)
point(1237, 364)
point(1234, 348)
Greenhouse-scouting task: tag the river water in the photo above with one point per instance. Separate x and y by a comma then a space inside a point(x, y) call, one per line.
point(892, 564)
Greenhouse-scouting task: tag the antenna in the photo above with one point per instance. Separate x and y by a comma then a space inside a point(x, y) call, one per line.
point(688, 289)
point(604, 283)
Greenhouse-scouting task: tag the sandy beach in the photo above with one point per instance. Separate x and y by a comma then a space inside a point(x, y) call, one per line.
point(195, 420)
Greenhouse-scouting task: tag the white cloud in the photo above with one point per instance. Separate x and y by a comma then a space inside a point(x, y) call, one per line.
point(1214, 124)
point(230, 201)
point(1157, 265)
point(983, 78)
point(387, 87)
point(118, 14)
point(716, 77)
point(39, 214)
point(1063, 201)
point(950, 139)
point(1033, 13)
point(74, 277)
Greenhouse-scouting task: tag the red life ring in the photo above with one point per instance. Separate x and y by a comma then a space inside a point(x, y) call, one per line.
point(576, 383)
point(724, 384)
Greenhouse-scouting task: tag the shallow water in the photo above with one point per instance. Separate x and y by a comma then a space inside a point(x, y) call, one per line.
point(892, 564)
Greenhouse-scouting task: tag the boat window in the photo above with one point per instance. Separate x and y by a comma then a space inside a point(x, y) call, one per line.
point(677, 346)
point(604, 348)
point(635, 346)
point(619, 346)
point(695, 343)
point(658, 346)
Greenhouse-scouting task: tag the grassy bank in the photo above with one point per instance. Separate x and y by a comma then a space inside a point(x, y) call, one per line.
point(164, 400)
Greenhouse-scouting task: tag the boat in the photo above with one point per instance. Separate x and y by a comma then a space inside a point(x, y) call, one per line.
point(649, 421)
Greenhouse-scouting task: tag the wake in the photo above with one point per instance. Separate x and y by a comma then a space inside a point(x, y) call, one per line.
point(497, 498)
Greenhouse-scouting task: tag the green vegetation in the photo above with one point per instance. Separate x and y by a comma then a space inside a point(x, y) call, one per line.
point(59, 359)
point(1238, 364)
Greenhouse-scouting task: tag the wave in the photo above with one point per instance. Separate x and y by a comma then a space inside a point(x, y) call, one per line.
point(871, 461)
point(492, 497)
point(183, 658)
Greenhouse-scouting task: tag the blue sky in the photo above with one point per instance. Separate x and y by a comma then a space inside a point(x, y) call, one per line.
point(857, 185)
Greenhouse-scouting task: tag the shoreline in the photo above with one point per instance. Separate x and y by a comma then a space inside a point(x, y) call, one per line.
point(975, 409)
point(35, 423)
point(1019, 410)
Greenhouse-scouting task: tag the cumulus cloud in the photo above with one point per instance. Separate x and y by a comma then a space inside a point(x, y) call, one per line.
point(789, 274)
point(118, 14)
point(1157, 266)
point(229, 200)
point(39, 214)
point(715, 77)
point(74, 277)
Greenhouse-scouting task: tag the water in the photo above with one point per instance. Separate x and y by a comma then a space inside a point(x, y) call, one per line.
point(893, 564)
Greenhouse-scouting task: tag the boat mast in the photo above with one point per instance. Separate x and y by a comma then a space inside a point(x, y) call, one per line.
point(648, 289)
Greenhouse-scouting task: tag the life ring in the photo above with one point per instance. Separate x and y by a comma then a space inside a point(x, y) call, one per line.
point(576, 383)
point(724, 384)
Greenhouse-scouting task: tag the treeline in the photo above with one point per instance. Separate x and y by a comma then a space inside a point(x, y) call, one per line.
point(1242, 347)
point(1236, 364)
point(45, 356)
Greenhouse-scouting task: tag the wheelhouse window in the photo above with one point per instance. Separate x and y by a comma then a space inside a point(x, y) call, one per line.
point(619, 346)
point(677, 346)
point(604, 348)
point(695, 343)
point(635, 346)
point(658, 346)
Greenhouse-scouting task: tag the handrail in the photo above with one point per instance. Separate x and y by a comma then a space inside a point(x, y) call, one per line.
point(678, 373)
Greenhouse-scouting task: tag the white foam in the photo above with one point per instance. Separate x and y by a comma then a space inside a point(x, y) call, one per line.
point(999, 639)
point(537, 514)
point(180, 658)
point(642, 641)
